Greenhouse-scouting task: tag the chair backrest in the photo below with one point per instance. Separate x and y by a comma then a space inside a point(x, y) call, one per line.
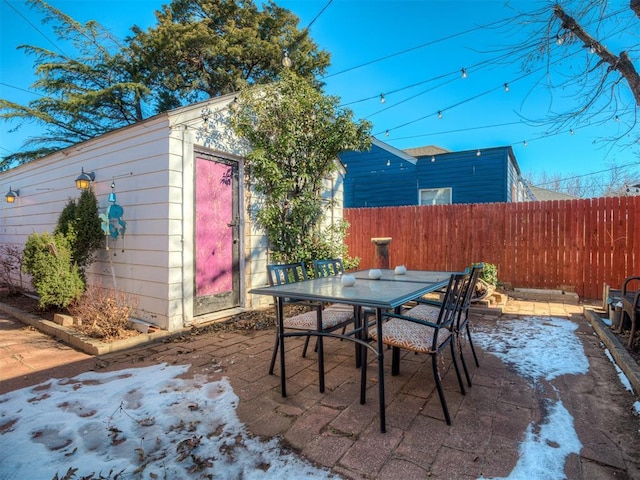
point(280, 274)
point(476, 270)
point(328, 267)
point(453, 299)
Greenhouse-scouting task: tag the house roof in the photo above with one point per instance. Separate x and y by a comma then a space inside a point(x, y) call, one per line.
point(394, 151)
point(542, 194)
point(426, 150)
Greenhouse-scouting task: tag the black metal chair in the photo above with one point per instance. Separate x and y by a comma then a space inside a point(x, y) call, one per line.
point(330, 267)
point(316, 320)
point(630, 306)
point(404, 331)
point(429, 310)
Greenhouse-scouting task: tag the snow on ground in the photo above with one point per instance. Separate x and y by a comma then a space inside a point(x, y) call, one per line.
point(144, 422)
point(624, 380)
point(150, 424)
point(540, 349)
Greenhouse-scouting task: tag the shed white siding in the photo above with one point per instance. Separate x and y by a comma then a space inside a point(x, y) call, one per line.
point(152, 167)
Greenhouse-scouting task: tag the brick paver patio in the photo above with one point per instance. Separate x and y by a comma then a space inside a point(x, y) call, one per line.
point(333, 430)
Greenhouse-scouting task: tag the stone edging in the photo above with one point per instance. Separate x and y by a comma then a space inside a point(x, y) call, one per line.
point(619, 353)
point(82, 342)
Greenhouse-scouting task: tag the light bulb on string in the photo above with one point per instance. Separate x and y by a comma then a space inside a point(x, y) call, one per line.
point(386, 134)
point(617, 118)
point(439, 114)
point(524, 143)
point(464, 73)
point(286, 60)
point(388, 163)
point(382, 99)
point(478, 153)
point(506, 87)
point(433, 158)
point(571, 131)
point(592, 48)
point(559, 39)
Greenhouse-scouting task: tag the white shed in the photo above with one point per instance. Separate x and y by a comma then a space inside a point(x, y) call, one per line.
point(189, 253)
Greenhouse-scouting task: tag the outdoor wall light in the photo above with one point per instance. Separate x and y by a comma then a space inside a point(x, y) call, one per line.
point(84, 180)
point(12, 195)
point(286, 60)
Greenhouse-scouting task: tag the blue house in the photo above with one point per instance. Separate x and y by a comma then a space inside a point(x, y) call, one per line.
point(386, 176)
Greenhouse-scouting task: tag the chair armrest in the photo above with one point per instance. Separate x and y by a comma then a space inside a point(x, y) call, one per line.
point(626, 293)
point(627, 281)
point(411, 319)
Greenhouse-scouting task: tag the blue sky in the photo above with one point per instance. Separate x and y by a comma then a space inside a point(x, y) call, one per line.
point(365, 39)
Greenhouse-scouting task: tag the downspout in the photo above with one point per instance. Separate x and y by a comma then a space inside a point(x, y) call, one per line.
point(182, 303)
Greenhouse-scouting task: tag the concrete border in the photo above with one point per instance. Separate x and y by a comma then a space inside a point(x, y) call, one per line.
point(618, 351)
point(82, 342)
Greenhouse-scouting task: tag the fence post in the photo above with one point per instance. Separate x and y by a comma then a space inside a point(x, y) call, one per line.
point(382, 251)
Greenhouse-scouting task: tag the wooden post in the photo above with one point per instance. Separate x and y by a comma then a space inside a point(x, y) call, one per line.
point(382, 251)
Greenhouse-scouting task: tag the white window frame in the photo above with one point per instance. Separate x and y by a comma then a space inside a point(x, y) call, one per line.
point(441, 196)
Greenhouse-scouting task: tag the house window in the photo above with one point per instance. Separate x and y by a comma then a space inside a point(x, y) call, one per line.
point(435, 196)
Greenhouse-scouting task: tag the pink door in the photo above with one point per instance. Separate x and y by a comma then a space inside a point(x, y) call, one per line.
point(217, 274)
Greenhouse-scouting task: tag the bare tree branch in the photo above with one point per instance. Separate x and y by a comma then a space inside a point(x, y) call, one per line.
point(621, 63)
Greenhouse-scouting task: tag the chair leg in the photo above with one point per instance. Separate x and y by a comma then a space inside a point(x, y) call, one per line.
point(306, 345)
point(457, 369)
point(634, 326)
point(464, 363)
point(436, 376)
point(274, 355)
point(395, 361)
point(473, 349)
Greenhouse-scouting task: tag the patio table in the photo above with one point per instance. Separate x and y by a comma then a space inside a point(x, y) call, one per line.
point(375, 294)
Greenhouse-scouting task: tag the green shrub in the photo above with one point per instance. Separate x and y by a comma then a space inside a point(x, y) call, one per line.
point(490, 274)
point(327, 242)
point(83, 218)
point(56, 279)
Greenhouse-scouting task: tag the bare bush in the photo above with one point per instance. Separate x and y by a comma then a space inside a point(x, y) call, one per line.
point(11, 267)
point(104, 313)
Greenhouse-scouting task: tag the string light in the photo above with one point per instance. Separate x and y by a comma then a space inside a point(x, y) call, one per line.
point(506, 87)
point(433, 158)
point(464, 73)
point(571, 131)
point(286, 61)
point(559, 39)
point(388, 163)
point(439, 114)
point(386, 134)
point(524, 144)
point(382, 99)
point(478, 153)
point(592, 48)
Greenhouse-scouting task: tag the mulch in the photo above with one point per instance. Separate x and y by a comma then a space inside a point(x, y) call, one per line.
point(250, 320)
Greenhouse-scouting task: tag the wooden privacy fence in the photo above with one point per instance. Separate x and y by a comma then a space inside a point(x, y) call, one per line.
point(576, 245)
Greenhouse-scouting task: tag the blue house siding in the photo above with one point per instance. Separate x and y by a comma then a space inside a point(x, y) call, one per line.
point(472, 178)
point(385, 176)
point(379, 177)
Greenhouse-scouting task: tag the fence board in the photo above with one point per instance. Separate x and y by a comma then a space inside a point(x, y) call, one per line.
point(578, 244)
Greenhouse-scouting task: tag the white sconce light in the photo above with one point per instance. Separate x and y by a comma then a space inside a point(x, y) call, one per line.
point(11, 195)
point(83, 182)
